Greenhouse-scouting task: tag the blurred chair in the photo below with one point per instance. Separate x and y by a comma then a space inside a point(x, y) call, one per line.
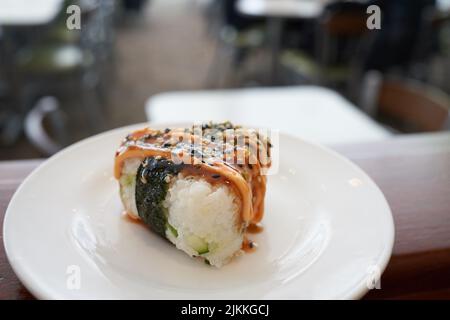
point(62, 71)
point(68, 63)
point(392, 47)
point(237, 36)
point(336, 46)
point(431, 55)
point(45, 126)
point(428, 40)
point(133, 5)
point(406, 105)
point(10, 124)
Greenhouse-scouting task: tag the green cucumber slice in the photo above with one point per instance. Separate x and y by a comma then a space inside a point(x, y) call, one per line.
point(198, 244)
point(172, 230)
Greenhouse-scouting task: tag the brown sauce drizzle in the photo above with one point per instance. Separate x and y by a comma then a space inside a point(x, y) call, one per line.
point(210, 176)
point(127, 216)
point(254, 228)
point(248, 246)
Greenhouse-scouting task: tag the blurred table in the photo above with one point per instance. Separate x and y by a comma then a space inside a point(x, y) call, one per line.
point(276, 11)
point(414, 174)
point(443, 5)
point(282, 8)
point(28, 12)
point(313, 113)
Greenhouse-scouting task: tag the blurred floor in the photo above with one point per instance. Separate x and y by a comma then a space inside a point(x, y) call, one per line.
point(166, 49)
point(163, 49)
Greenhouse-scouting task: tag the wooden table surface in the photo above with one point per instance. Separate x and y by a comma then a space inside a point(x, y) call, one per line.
point(414, 174)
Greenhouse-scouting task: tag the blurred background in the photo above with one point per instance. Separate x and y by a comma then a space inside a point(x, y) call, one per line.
point(309, 67)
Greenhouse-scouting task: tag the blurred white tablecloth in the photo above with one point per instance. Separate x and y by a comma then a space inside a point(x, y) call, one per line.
point(310, 112)
point(28, 12)
point(282, 8)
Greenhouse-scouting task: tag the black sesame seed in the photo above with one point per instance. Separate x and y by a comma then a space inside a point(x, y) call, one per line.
point(215, 176)
point(198, 154)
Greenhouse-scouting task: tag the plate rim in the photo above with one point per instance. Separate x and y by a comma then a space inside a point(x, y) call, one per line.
point(40, 292)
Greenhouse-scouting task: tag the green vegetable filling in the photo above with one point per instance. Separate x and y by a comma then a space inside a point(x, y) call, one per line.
point(172, 230)
point(198, 244)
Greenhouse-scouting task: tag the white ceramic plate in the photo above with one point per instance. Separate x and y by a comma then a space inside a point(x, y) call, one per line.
point(328, 232)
